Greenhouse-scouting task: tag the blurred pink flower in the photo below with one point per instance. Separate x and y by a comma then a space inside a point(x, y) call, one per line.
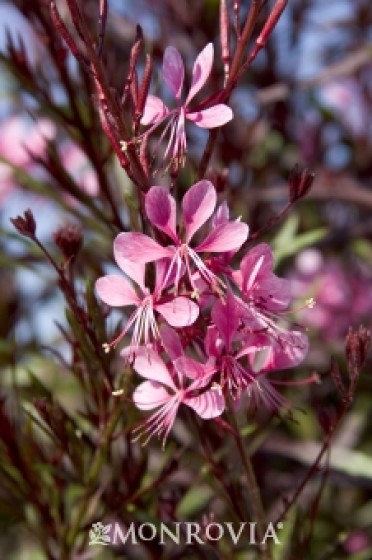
point(342, 293)
point(357, 542)
point(155, 112)
point(345, 98)
point(79, 167)
point(20, 139)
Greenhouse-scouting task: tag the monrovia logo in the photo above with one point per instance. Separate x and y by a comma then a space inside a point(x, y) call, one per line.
point(180, 533)
point(98, 534)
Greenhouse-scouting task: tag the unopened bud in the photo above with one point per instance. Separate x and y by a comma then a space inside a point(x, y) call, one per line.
point(336, 377)
point(300, 182)
point(69, 240)
point(357, 345)
point(25, 225)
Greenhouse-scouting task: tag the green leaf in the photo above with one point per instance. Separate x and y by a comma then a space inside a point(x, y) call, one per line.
point(300, 242)
point(347, 461)
point(285, 533)
point(194, 501)
point(287, 232)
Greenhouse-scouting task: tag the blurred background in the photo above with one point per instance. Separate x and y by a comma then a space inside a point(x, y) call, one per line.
point(307, 100)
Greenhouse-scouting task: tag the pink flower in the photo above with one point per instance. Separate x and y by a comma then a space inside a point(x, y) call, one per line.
point(349, 103)
point(197, 207)
point(223, 345)
point(20, 138)
point(79, 167)
point(341, 290)
point(243, 359)
point(167, 388)
point(116, 291)
point(264, 295)
point(156, 112)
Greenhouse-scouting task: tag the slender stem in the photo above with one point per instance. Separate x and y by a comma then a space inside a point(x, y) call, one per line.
point(314, 467)
point(252, 486)
point(93, 473)
point(216, 467)
point(237, 60)
point(77, 310)
point(244, 39)
point(264, 229)
point(207, 153)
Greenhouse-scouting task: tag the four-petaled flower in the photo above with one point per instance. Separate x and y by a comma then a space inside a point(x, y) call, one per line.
point(155, 112)
point(116, 291)
point(197, 207)
point(166, 388)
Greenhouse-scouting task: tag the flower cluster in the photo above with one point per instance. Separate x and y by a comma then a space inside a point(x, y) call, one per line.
point(202, 330)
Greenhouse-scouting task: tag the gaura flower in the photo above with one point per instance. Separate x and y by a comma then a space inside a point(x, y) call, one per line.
point(155, 112)
point(223, 346)
point(235, 352)
point(265, 297)
point(165, 389)
point(116, 291)
point(197, 207)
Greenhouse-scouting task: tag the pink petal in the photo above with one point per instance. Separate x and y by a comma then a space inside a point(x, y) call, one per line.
point(149, 365)
point(254, 343)
point(177, 141)
point(213, 344)
point(222, 214)
point(135, 270)
point(140, 248)
point(171, 342)
point(258, 278)
point(226, 318)
point(154, 110)
point(187, 367)
point(275, 292)
point(149, 395)
point(173, 71)
point(115, 291)
point(161, 211)
point(197, 206)
point(258, 261)
point(201, 70)
point(180, 312)
point(289, 353)
point(226, 237)
point(164, 279)
point(218, 115)
point(208, 405)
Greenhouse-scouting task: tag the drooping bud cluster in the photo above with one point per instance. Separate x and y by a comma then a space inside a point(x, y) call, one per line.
point(204, 329)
